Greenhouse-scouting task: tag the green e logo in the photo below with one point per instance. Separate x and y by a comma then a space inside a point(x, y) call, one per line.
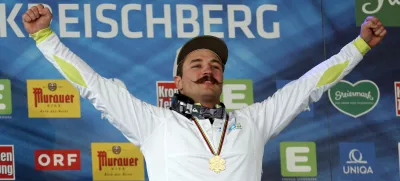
point(298, 159)
point(5, 97)
point(237, 94)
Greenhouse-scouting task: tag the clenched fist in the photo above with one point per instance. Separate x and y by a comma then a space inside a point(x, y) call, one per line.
point(36, 18)
point(372, 31)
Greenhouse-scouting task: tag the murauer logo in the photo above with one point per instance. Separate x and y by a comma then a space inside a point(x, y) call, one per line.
point(39, 97)
point(7, 164)
point(105, 161)
point(357, 160)
point(387, 11)
point(57, 160)
point(52, 99)
point(117, 161)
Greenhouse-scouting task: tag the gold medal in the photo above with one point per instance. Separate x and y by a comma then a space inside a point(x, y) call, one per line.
point(217, 164)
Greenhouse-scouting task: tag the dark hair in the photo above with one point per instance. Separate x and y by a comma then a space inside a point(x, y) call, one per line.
point(179, 70)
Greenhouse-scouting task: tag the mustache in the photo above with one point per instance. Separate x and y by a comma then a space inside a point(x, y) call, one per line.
point(207, 78)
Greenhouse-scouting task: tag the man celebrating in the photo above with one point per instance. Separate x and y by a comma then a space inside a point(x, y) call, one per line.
point(193, 140)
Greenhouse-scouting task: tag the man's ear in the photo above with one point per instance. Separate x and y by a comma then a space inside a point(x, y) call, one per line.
point(178, 82)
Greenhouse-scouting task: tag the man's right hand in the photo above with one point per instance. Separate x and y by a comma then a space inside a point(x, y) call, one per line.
point(36, 18)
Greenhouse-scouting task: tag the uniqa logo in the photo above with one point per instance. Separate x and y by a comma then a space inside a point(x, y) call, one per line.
point(357, 169)
point(379, 7)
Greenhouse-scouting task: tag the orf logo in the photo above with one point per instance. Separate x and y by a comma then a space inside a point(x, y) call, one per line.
point(57, 160)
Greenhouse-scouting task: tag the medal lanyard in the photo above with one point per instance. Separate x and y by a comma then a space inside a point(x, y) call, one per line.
point(221, 142)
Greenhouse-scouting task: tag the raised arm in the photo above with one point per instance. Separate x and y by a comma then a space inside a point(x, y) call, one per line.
point(137, 120)
point(276, 112)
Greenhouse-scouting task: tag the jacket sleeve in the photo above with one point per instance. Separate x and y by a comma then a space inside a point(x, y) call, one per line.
point(276, 112)
point(136, 120)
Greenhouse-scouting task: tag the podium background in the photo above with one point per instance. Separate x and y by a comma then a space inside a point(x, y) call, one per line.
point(310, 32)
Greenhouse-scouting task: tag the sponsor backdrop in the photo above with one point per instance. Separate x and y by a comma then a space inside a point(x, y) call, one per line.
point(49, 133)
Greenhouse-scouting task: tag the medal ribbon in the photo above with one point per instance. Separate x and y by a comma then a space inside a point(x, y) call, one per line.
point(221, 142)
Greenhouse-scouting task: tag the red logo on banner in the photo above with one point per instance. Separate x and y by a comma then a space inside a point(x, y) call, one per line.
point(397, 95)
point(57, 160)
point(7, 165)
point(165, 92)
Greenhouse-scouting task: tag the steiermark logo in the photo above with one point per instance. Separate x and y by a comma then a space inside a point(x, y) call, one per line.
point(354, 99)
point(5, 97)
point(298, 159)
point(387, 11)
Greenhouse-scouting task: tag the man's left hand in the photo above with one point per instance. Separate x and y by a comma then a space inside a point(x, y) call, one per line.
point(372, 31)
